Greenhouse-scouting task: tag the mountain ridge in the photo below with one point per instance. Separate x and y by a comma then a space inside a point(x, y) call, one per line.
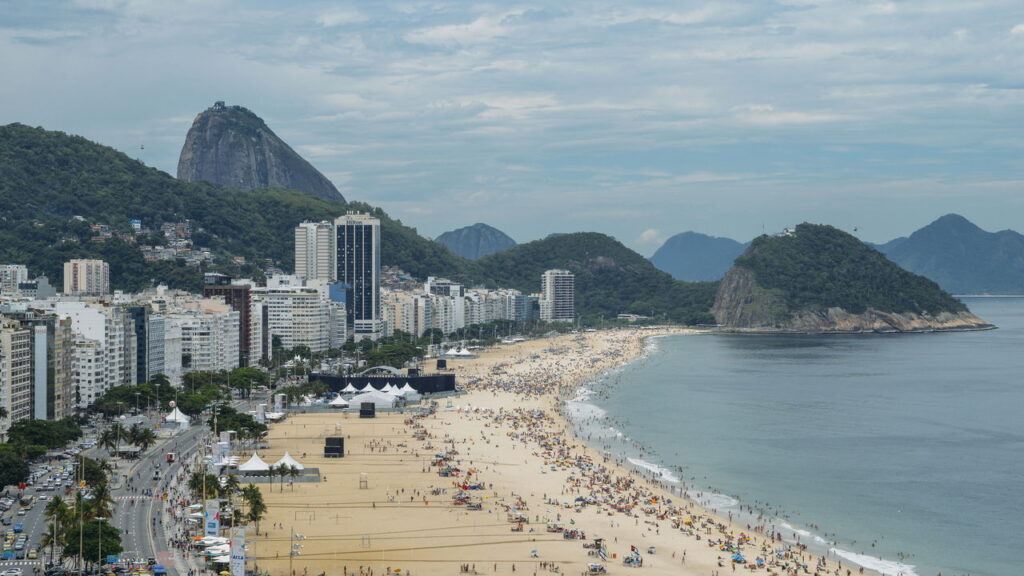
point(695, 257)
point(962, 257)
point(233, 147)
point(476, 241)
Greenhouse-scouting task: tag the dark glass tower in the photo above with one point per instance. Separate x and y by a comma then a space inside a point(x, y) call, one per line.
point(358, 259)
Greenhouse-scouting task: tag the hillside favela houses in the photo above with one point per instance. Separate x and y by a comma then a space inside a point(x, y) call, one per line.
point(59, 352)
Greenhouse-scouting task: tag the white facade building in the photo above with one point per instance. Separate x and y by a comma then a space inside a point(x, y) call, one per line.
point(209, 339)
point(300, 317)
point(557, 301)
point(113, 328)
point(87, 278)
point(11, 275)
point(90, 371)
point(315, 251)
point(16, 382)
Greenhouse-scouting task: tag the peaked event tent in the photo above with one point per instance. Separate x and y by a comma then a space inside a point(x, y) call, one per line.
point(379, 399)
point(349, 389)
point(177, 416)
point(255, 464)
point(287, 460)
point(338, 402)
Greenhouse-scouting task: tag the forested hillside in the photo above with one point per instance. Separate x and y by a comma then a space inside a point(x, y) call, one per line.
point(818, 266)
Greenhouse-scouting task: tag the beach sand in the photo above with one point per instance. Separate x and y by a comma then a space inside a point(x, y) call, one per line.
point(511, 439)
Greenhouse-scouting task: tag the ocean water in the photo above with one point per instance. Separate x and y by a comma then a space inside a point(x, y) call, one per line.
point(903, 453)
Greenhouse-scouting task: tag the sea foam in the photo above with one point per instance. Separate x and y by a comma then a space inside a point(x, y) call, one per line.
point(715, 501)
point(883, 567)
point(661, 471)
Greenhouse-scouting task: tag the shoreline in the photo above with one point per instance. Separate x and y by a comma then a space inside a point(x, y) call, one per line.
point(708, 498)
point(510, 437)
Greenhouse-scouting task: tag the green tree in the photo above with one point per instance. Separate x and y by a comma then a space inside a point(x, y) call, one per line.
point(93, 532)
point(13, 469)
point(256, 506)
point(201, 484)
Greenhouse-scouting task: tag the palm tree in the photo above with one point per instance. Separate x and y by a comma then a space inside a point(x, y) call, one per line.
point(257, 507)
point(102, 502)
point(293, 473)
point(108, 439)
point(145, 439)
point(231, 486)
point(59, 515)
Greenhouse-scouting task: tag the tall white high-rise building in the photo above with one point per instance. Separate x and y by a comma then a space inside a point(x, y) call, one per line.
point(557, 299)
point(299, 316)
point(315, 251)
point(87, 278)
point(11, 275)
point(209, 339)
point(358, 266)
point(16, 378)
point(113, 328)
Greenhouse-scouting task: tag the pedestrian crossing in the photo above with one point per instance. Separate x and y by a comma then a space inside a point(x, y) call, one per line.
point(6, 563)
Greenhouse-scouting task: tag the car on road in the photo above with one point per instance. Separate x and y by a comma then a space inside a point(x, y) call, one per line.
point(33, 554)
point(11, 572)
point(21, 512)
point(20, 555)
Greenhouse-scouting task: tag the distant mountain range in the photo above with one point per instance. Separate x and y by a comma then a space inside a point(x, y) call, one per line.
point(959, 256)
point(476, 241)
point(694, 257)
point(233, 147)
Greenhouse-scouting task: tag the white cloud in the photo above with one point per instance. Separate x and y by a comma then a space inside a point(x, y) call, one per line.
point(340, 17)
point(767, 115)
point(687, 111)
point(478, 31)
point(651, 236)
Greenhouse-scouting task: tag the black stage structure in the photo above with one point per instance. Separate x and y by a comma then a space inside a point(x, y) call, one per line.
point(424, 384)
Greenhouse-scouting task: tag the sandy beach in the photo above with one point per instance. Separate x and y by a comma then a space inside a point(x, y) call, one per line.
point(386, 507)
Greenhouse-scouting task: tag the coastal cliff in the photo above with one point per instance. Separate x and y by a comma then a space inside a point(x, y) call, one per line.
point(817, 279)
point(232, 147)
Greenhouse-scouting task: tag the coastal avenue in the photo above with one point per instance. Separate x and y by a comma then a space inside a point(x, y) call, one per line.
point(142, 530)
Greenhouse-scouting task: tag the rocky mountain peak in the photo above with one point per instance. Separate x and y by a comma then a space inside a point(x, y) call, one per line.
point(233, 147)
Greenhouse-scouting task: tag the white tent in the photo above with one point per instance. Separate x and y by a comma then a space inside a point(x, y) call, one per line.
point(338, 402)
point(255, 464)
point(408, 392)
point(177, 416)
point(287, 460)
point(349, 389)
point(387, 387)
point(379, 399)
point(366, 388)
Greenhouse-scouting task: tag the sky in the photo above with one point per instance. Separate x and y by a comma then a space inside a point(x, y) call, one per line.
point(637, 119)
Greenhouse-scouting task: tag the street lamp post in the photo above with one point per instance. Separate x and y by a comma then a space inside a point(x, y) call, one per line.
point(99, 541)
